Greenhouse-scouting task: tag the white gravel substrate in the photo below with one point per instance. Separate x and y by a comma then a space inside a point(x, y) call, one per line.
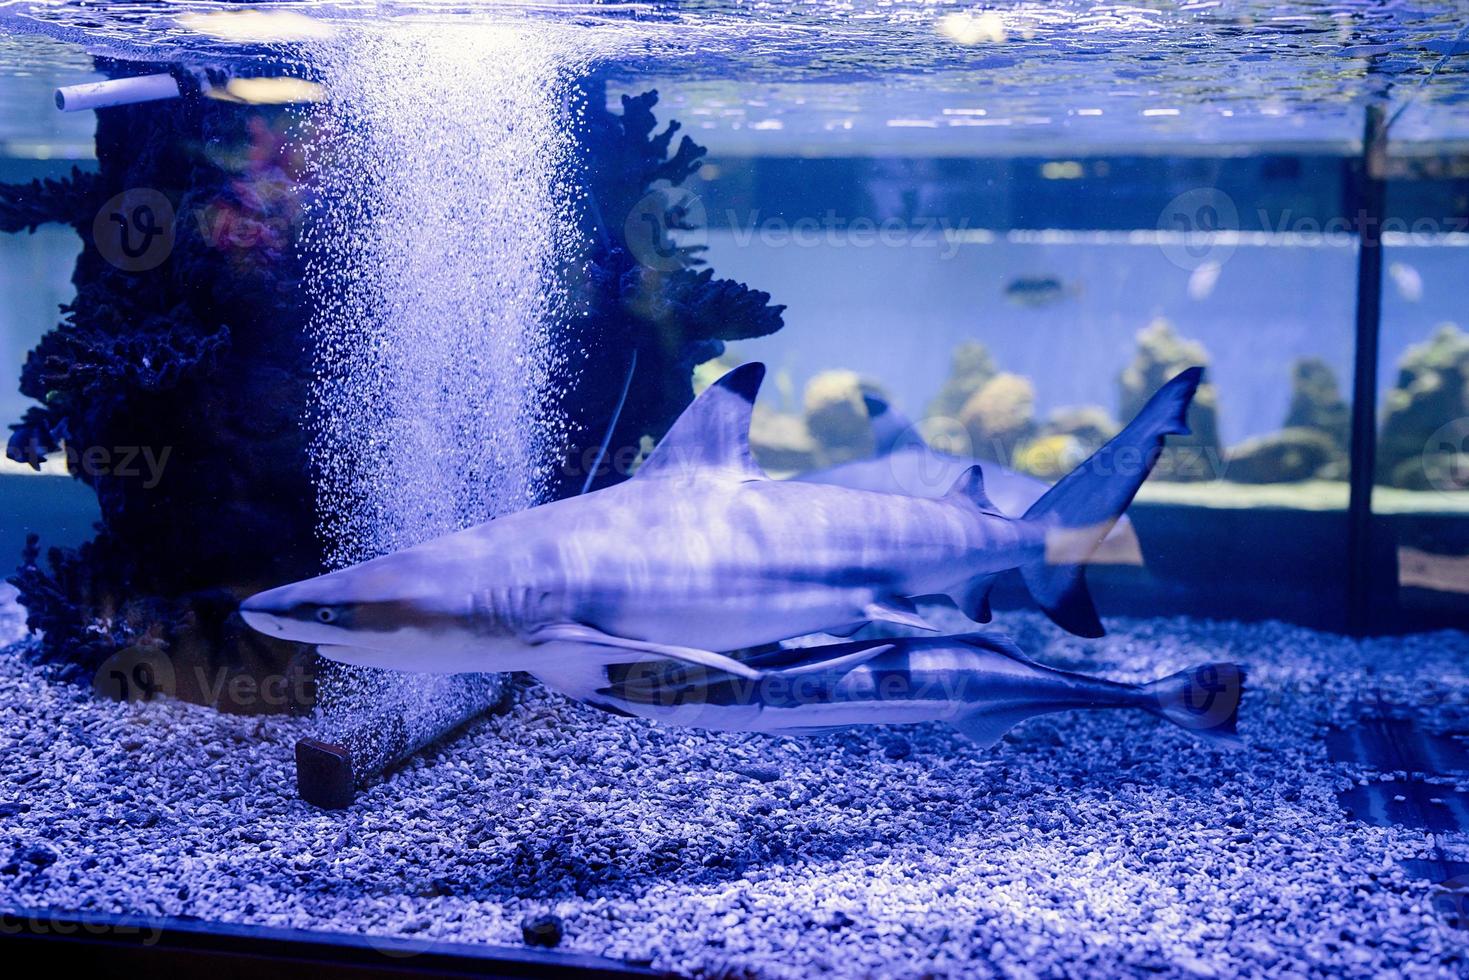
point(1086, 844)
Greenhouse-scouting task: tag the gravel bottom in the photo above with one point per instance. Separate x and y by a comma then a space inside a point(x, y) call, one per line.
point(1089, 842)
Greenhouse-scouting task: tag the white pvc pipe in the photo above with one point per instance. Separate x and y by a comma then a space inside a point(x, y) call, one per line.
point(117, 91)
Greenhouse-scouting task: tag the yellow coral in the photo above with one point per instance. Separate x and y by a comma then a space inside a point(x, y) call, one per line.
point(1050, 457)
point(836, 415)
point(1004, 405)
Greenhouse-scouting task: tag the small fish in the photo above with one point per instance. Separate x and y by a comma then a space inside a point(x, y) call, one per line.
point(980, 683)
point(1408, 281)
point(1202, 280)
point(1037, 291)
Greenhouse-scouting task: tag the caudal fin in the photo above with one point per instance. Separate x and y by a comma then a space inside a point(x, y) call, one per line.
point(1203, 699)
point(1077, 512)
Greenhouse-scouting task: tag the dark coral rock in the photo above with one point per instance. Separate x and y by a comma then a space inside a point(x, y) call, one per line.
point(971, 368)
point(542, 930)
point(178, 391)
point(1000, 416)
point(70, 602)
point(70, 200)
point(665, 319)
point(1288, 456)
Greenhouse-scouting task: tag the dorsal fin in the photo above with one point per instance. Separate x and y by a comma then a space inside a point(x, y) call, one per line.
point(713, 434)
point(970, 487)
point(891, 430)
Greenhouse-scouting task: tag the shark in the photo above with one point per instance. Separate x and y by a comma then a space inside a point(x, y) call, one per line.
point(904, 462)
point(700, 552)
point(980, 683)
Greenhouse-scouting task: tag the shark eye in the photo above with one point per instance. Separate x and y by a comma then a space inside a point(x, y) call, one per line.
point(326, 614)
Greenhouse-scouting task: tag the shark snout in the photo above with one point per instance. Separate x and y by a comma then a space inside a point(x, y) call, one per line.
point(262, 612)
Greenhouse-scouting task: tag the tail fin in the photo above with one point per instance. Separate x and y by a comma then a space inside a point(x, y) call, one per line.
point(1079, 511)
point(1203, 699)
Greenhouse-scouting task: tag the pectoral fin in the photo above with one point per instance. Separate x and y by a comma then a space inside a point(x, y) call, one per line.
point(581, 633)
point(973, 599)
point(986, 726)
point(832, 663)
point(897, 610)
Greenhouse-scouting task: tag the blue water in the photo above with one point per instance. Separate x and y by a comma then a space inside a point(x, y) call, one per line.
point(35, 279)
point(896, 313)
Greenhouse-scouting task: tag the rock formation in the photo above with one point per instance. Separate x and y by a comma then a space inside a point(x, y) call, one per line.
point(970, 370)
point(1423, 418)
point(1161, 354)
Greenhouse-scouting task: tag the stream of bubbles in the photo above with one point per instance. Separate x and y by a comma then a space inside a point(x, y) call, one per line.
point(445, 195)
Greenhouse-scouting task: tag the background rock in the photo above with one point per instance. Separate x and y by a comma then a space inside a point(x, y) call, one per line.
point(1051, 456)
point(836, 416)
point(1432, 391)
point(1287, 456)
point(781, 442)
point(970, 369)
point(1316, 401)
point(1162, 354)
point(1000, 416)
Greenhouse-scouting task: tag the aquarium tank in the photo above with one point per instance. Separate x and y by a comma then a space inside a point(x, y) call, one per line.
point(872, 488)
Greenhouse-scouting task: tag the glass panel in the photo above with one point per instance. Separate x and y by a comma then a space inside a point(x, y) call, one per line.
point(36, 279)
point(1023, 309)
point(1422, 495)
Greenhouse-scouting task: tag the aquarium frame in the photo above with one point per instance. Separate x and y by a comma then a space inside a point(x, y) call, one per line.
point(101, 944)
point(1369, 206)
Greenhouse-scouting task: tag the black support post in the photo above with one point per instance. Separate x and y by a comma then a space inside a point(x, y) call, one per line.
point(1368, 209)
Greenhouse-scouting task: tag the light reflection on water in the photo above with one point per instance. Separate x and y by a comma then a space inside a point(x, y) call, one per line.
point(797, 76)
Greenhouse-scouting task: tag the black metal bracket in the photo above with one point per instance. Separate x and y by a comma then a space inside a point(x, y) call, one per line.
point(98, 944)
point(1368, 212)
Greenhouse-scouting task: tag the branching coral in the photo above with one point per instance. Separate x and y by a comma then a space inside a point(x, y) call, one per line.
point(70, 200)
point(196, 364)
point(672, 317)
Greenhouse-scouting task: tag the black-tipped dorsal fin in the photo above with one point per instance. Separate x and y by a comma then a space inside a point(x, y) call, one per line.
point(970, 487)
point(713, 434)
point(891, 430)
